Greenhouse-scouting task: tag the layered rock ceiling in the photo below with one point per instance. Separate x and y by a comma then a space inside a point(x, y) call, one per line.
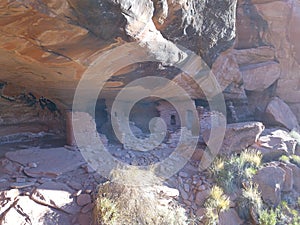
point(251, 46)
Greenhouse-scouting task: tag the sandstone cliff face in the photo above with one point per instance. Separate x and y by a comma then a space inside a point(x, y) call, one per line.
point(251, 46)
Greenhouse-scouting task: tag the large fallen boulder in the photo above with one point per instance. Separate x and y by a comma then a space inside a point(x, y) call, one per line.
point(279, 113)
point(238, 136)
point(274, 143)
point(259, 77)
point(270, 180)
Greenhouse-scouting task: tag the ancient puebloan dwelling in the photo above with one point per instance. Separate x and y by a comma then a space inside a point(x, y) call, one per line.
point(234, 72)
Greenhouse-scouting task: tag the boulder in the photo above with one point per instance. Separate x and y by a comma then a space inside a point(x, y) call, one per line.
point(288, 178)
point(296, 175)
point(228, 75)
point(275, 142)
point(258, 77)
point(201, 196)
point(296, 110)
point(251, 56)
point(270, 180)
point(84, 199)
point(231, 217)
point(279, 113)
point(246, 28)
point(279, 19)
point(238, 136)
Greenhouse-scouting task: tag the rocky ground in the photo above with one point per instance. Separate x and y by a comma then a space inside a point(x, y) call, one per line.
point(56, 185)
point(46, 186)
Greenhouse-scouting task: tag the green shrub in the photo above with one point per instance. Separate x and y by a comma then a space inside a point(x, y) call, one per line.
point(281, 215)
point(230, 173)
point(284, 158)
point(268, 217)
point(106, 211)
point(119, 204)
point(286, 215)
point(295, 159)
point(250, 202)
point(216, 203)
point(251, 157)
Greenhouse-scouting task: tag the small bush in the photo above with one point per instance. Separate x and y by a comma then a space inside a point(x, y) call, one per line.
point(106, 211)
point(251, 157)
point(281, 215)
point(119, 204)
point(295, 159)
point(216, 203)
point(286, 215)
point(284, 158)
point(230, 173)
point(268, 217)
point(250, 202)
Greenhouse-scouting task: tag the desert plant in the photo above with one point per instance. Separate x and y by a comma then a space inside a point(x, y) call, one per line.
point(120, 204)
point(268, 217)
point(286, 215)
point(252, 157)
point(250, 202)
point(230, 173)
point(281, 215)
point(106, 211)
point(295, 159)
point(284, 158)
point(216, 203)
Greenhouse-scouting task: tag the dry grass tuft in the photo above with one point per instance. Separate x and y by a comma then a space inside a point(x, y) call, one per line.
point(119, 204)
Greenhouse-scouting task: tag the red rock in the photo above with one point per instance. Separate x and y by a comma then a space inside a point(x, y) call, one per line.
point(279, 113)
point(270, 181)
point(259, 77)
point(226, 71)
point(84, 199)
point(247, 33)
point(288, 178)
point(51, 162)
point(281, 18)
point(84, 219)
point(87, 208)
point(238, 136)
point(230, 217)
point(183, 194)
point(251, 56)
point(296, 175)
point(201, 196)
point(275, 142)
point(200, 212)
point(197, 155)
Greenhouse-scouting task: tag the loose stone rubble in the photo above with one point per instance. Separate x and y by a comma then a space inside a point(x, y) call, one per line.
point(60, 188)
